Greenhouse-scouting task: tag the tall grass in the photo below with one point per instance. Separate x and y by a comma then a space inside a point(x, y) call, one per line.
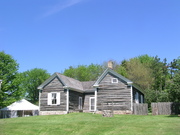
point(91, 124)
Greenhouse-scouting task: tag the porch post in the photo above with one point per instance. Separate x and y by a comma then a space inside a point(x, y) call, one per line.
point(40, 99)
point(95, 104)
point(131, 98)
point(67, 101)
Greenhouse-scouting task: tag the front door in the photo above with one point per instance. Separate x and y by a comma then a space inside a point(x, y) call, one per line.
point(92, 103)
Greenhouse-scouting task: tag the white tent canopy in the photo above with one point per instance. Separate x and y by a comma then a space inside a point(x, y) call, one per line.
point(18, 109)
point(21, 105)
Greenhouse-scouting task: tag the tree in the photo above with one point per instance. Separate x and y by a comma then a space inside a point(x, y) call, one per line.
point(31, 80)
point(10, 91)
point(174, 89)
point(174, 66)
point(138, 70)
point(150, 73)
point(83, 72)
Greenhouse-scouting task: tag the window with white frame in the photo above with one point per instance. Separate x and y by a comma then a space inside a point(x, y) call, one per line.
point(92, 103)
point(54, 98)
point(114, 80)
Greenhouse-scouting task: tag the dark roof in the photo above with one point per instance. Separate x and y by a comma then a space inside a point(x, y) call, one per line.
point(69, 83)
point(87, 86)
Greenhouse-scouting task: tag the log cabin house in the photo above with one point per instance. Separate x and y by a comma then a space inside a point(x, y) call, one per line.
point(111, 91)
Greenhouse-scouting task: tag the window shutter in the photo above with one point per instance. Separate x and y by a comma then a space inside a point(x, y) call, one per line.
point(49, 101)
point(58, 98)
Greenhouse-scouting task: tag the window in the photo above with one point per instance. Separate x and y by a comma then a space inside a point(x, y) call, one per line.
point(142, 101)
point(137, 97)
point(92, 104)
point(54, 98)
point(114, 80)
point(80, 103)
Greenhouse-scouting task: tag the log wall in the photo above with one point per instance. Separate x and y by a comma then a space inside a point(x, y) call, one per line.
point(113, 96)
point(54, 86)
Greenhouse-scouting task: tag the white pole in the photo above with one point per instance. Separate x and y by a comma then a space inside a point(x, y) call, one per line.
point(40, 99)
point(67, 103)
point(131, 98)
point(95, 94)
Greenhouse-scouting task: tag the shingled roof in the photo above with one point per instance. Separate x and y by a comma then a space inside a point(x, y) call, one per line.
point(87, 86)
point(70, 83)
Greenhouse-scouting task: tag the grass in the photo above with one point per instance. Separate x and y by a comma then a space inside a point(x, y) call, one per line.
point(91, 124)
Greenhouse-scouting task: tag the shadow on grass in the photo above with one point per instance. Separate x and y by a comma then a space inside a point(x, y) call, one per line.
point(173, 116)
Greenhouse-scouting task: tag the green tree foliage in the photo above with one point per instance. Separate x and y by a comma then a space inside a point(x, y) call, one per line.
point(174, 88)
point(138, 70)
point(83, 72)
point(151, 74)
point(11, 80)
point(160, 74)
point(31, 80)
point(122, 71)
point(174, 67)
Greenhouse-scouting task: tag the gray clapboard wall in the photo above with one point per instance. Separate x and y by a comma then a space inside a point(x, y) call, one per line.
point(116, 96)
point(54, 86)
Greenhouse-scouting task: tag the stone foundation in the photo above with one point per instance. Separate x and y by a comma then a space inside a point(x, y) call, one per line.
point(52, 112)
point(97, 112)
point(116, 112)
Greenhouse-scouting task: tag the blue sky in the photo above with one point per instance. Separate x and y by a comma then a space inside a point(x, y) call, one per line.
point(56, 34)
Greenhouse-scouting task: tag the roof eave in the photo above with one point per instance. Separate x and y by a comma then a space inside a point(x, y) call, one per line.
point(74, 89)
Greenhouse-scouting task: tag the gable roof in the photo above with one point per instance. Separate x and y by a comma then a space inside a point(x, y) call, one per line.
point(87, 86)
point(69, 83)
point(108, 70)
point(49, 80)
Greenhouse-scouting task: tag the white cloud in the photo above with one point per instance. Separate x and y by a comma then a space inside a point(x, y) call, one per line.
point(60, 6)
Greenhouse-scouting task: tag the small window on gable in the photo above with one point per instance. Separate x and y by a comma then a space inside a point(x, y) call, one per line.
point(114, 80)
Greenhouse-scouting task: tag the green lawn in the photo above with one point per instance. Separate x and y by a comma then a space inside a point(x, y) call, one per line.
point(91, 124)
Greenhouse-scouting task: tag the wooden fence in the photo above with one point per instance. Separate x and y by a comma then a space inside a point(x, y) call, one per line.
point(140, 109)
point(165, 108)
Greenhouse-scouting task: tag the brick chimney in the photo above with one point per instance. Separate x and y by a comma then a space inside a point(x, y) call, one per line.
point(110, 64)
